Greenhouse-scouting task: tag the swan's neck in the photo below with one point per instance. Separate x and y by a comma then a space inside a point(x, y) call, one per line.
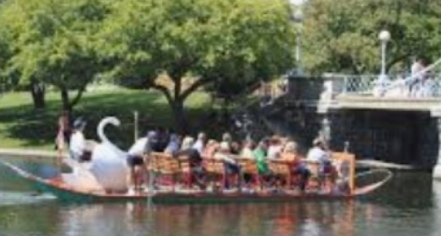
point(101, 134)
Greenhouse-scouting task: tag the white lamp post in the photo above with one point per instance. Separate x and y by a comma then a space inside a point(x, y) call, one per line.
point(384, 37)
point(380, 86)
point(297, 16)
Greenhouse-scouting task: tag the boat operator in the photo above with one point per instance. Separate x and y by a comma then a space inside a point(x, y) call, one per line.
point(77, 146)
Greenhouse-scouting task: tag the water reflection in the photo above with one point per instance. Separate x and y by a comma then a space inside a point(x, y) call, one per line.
point(313, 218)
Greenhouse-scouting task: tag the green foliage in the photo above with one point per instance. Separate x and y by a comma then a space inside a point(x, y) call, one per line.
point(208, 40)
point(256, 44)
point(342, 36)
point(5, 55)
point(54, 41)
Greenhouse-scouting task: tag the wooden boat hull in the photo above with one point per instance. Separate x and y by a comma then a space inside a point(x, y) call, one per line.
point(66, 194)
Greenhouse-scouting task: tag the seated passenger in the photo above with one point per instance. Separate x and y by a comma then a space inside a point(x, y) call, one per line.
point(188, 150)
point(319, 155)
point(224, 154)
point(200, 143)
point(275, 148)
point(77, 146)
point(290, 153)
point(325, 168)
point(235, 148)
point(247, 151)
point(210, 149)
point(260, 155)
point(173, 145)
point(195, 160)
point(226, 137)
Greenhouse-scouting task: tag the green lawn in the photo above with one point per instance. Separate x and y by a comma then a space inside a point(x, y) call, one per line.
point(23, 126)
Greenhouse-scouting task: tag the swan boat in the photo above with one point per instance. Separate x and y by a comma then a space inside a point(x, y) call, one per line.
point(108, 171)
point(65, 193)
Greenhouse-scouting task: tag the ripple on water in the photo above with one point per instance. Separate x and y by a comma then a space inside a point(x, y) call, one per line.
point(8, 198)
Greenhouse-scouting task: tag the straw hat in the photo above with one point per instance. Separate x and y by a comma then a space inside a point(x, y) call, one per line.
point(226, 137)
point(187, 143)
point(201, 136)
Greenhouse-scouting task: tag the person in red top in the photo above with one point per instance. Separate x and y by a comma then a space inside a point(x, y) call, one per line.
point(64, 127)
point(63, 132)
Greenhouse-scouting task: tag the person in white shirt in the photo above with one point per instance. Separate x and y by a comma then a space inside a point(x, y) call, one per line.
point(275, 148)
point(317, 153)
point(417, 77)
point(77, 146)
point(200, 143)
point(137, 151)
point(138, 155)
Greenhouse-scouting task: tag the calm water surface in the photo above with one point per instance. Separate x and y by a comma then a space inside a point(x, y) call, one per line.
point(408, 205)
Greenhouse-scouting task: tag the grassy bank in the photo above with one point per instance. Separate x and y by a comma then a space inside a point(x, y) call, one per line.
point(21, 126)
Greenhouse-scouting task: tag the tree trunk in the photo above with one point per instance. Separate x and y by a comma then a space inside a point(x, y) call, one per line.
point(38, 92)
point(65, 100)
point(177, 106)
point(176, 100)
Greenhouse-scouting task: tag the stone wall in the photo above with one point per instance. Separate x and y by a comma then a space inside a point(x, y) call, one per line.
point(393, 136)
point(305, 88)
point(300, 121)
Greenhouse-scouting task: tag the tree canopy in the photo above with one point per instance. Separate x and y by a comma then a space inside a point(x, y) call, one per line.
point(342, 36)
point(180, 46)
point(54, 42)
point(206, 40)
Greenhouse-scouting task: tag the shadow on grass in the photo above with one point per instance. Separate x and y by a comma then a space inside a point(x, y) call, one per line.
point(38, 127)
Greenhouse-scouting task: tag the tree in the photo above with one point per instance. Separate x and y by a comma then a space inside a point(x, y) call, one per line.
point(205, 40)
point(5, 55)
point(54, 42)
point(342, 36)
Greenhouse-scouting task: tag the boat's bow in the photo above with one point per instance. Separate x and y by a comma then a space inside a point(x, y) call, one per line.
point(375, 179)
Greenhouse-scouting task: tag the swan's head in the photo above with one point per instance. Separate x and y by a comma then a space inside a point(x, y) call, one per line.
point(111, 120)
point(108, 120)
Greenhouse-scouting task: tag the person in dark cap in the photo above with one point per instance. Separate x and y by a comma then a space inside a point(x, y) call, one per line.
point(77, 146)
point(153, 144)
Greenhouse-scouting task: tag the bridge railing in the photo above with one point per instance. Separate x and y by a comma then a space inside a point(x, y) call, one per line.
point(402, 86)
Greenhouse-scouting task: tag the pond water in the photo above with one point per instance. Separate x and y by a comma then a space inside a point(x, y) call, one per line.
point(410, 204)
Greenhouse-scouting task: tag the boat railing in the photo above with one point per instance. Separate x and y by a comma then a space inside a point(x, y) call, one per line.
point(168, 166)
point(215, 170)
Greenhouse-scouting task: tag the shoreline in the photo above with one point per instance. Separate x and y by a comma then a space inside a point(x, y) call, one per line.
point(24, 152)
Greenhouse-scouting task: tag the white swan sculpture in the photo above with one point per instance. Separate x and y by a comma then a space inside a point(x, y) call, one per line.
point(109, 163)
